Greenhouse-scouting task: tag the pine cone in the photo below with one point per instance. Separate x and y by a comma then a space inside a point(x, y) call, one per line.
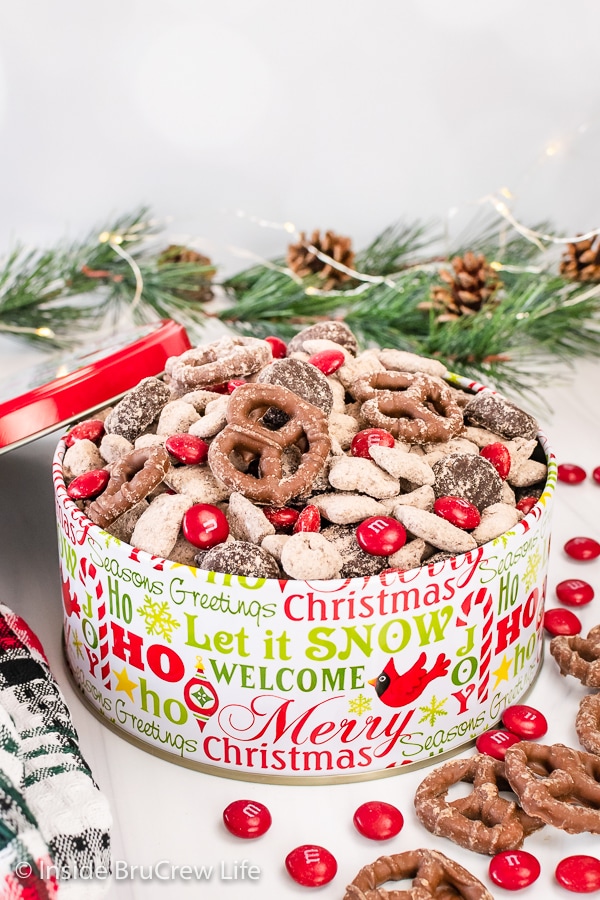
point(471, 285)
point(304, 262)
point(581, 261)
point(176, 253)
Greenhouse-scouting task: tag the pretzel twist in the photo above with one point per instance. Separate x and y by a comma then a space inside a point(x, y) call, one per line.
point(434, 876)
point(132, 478)
point(557, 783)
point(245, 435)
point(215, 363)
point(419, 408)
point(579, 656)
point(587, 723)
point(483, 821)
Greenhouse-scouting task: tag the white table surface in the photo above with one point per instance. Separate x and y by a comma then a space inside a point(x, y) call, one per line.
point(163, 812)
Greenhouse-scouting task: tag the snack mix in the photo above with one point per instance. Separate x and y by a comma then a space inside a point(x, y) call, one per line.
point(327, 463)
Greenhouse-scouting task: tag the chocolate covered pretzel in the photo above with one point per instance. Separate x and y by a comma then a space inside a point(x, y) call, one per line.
point(414, 408)
point(556, 783)
point(587, 723)
point(132, 478)
point(247, 438)
point(483, 821)
point(579, 656)
point(433, 876)
point(218, 362)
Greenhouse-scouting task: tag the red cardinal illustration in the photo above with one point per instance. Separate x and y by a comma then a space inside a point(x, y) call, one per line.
point(398, 690)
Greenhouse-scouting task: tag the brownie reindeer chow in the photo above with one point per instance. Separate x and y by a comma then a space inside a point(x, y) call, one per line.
point(327, 463)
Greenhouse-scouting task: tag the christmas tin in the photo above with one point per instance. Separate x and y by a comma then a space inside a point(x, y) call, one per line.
point(299, 681)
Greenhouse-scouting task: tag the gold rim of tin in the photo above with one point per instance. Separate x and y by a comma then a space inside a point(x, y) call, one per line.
point(220, 772)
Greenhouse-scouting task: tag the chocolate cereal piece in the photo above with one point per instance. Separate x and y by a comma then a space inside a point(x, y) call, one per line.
point(356, 562)
point(499, 415)
point(239, 558)
point(138, 409)
point(334, 331)
point(302, 378)
point(469, 477)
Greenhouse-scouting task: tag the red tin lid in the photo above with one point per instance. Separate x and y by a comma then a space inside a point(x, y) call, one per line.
point(72, 387)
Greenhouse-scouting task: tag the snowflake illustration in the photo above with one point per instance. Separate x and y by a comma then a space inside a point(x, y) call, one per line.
point(158, 618)
point(502, 540)
point(531, 571)
point(359, 705)
point(432, 711)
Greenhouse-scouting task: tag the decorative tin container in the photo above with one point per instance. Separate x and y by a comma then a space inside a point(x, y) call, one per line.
point(302, 681)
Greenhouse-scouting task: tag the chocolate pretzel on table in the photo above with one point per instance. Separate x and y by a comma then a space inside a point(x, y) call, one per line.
point(433, 876)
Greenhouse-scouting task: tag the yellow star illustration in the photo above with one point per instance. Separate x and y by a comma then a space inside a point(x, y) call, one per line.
point(124, 683)
point(191, 569)
point(77, 644)
point(502, 673)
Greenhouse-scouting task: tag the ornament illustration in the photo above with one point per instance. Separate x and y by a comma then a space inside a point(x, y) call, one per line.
point(200, 696)
point(396, 689)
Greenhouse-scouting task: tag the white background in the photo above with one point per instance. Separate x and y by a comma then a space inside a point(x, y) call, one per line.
point(345, 115)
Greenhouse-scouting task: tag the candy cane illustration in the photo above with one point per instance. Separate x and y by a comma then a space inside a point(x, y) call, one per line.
point(483, 596)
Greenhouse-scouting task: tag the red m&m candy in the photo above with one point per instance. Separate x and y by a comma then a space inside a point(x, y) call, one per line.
point(457, 511)
point(369, 437)
point(582, 548)
point(569, 473)
point(328, 361)
point(514, 869)
point(235, 383)
point(525, 721)
point(247, 818)
point(596, 474)
point(282, 517)
point(574, 592)
point(496, 742)
point(381, 535)
point(526, 504)
point(580, 874)
point(308, 520)
point(311, 865)
point(377, 820)
point(499, 457)
point(88, 485)
point(205, 526)
point(90, 430)
point(278, 348)
point(561, 621)
point(187, 449)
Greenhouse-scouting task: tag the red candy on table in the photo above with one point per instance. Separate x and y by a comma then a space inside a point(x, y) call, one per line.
point(328, 361)
point(88, 485)
point(569, 473)
point(308, 520)
point(311, 865)
point(574, 592)
point(370, 437)
point(205, 525)
point(381, 535)
point(496, 742)
point(90, 430)
point(582, 548)
point(579, 874)
point(247, 818)
point(596, 474)
point(458, 512)
point(282, 517)
point(187, 449)
point(561, 621)
point(377, 820)
point(526, 504)
point(525, 721)
point(499, 457)
point(278, 348)
point(514, 869)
